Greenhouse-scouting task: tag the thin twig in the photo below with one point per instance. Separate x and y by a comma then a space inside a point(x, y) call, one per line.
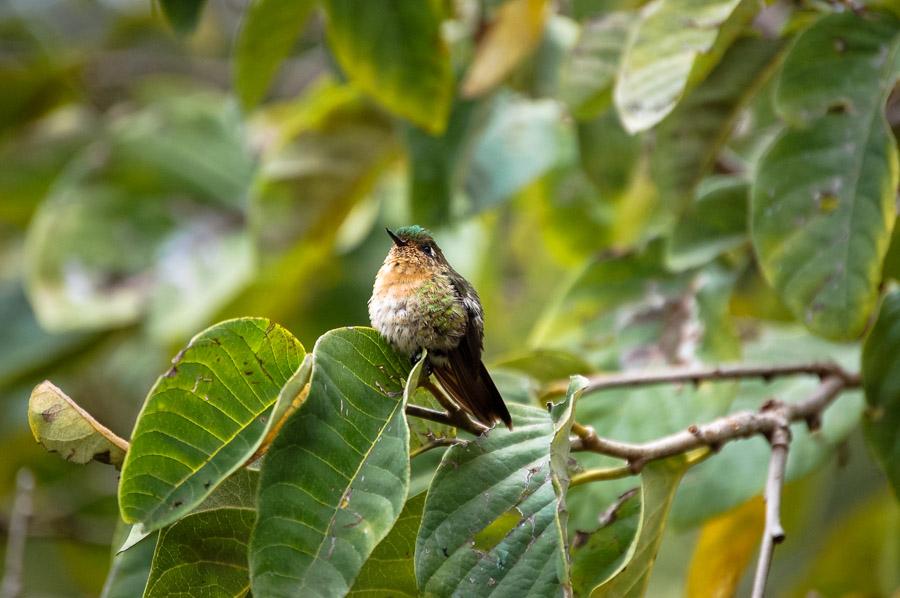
point(12, 586)
point(773, 533)
point(714, 434)
point(436, 443)
point(459, 420)
point(700, 374)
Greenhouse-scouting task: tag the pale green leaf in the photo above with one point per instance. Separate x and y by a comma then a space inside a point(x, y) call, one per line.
point(673, 46)
point(61, 426)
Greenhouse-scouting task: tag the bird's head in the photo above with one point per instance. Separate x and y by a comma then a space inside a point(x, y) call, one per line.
point(415, 247)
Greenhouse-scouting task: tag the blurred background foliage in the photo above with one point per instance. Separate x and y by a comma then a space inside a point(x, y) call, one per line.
point(157, 176)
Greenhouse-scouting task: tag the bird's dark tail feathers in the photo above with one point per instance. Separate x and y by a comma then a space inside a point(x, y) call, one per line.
point(471, 386)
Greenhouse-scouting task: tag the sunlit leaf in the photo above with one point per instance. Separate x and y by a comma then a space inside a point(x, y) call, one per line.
point(206, 550)
point(587, 75)
point(269, 31)
point(204, 418)
point(725, 547)
point(715, 222)
point(673, 46)
point(823, 200)
point(61, 426)
point(390, 570)
point(881, 379)
point(335, 479)
point(503, 476)
point(412, 77)
point(513, 34)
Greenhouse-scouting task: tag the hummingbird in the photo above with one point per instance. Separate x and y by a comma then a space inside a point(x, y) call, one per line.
point(420, 302)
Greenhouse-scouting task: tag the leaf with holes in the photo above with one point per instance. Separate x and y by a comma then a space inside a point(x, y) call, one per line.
point(673, 46)
point(412, 77)
point(61, 426)
point(268, 32)
point(206, 550)
point(390, 570)
point(335, 479)
point(823, 200)
point(491, 522)
point(204, 418)
point(881, 379)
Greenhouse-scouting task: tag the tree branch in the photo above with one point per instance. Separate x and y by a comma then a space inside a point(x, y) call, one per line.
point(457, 419)
point(773, 533)
point(714, 434)
point(18, 534)
point(700, 374)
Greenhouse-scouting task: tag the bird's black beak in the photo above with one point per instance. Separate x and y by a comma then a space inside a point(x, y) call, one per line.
point(397, 240)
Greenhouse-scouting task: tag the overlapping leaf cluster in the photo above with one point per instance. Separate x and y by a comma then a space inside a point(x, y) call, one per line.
point(676, 182)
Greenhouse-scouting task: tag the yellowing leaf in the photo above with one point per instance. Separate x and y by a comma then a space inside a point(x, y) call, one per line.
point(726, 545)
point(61, 426)
point(513, 35)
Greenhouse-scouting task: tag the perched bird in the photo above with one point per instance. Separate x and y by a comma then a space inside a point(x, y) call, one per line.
point(420, 302)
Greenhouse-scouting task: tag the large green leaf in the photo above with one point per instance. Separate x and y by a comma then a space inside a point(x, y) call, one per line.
point(659, 481)
point(673, 46)
point(586, 77)
point(61, 426)
point(268, 32)
point(688, 141)
point(823, 201)
point(881, 378)
point(394, 51)
point(491, 523)
point(390, 570)
point(206, 550)
point(204, 418)
point(335, 479)
point(609, 155)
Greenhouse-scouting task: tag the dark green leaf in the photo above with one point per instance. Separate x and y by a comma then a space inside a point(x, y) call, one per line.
point(501, 479)
point(390, 570)
point(204, 418)
point(395, 53)
point(659, 481)
point(183, 15)
point(268, 33)
point(335, 479)
point(823, 201)
point(600, 554)
point(205, 551)
point(609, 155)
point(130, 569)
point(881, 378)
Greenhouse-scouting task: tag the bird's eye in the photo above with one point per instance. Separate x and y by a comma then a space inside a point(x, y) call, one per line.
point(427, 250)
